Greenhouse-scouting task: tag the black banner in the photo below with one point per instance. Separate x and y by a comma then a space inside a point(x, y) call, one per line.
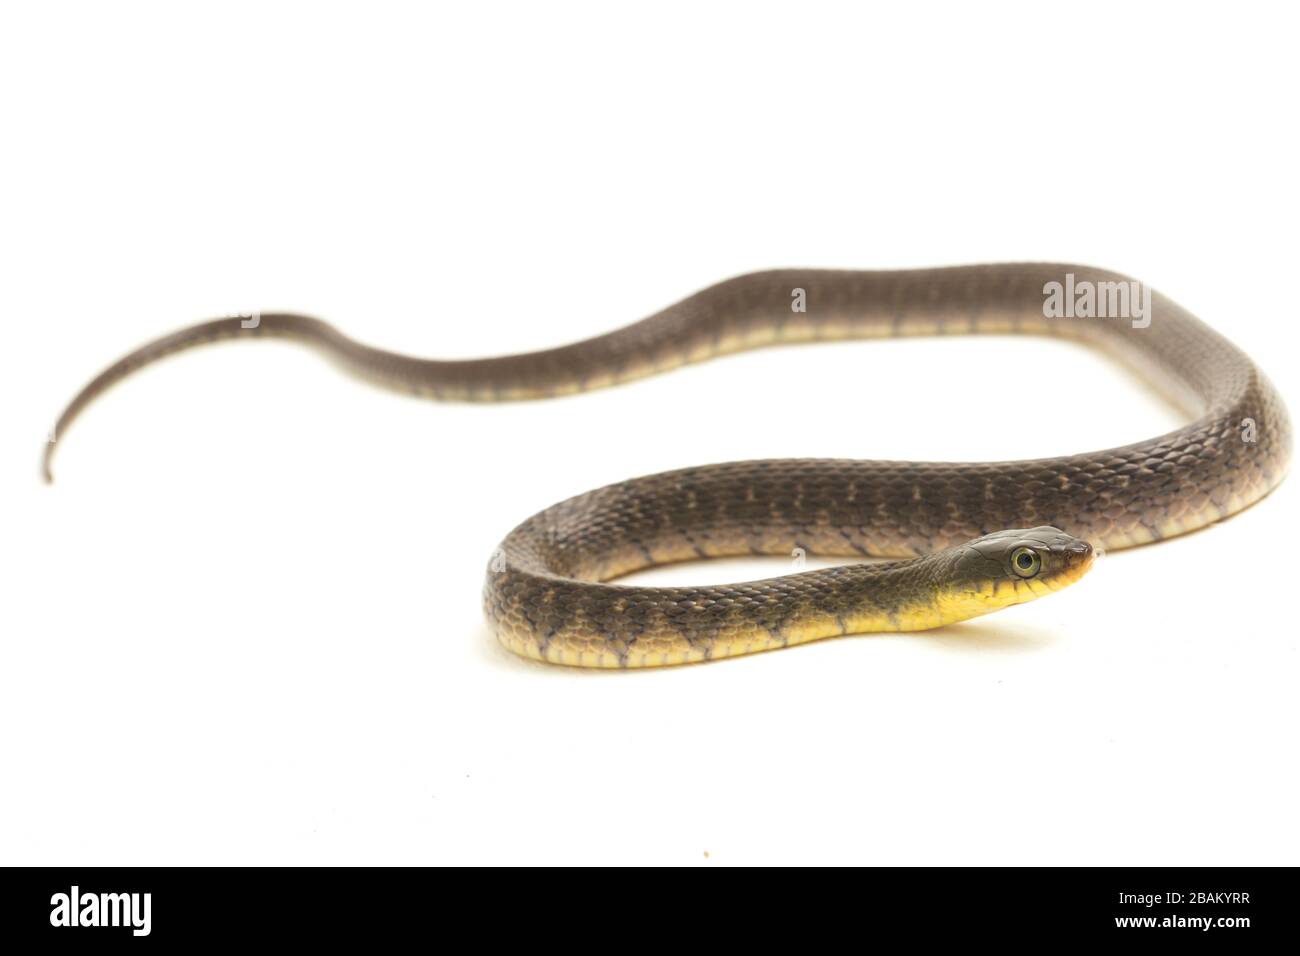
point(138, 906)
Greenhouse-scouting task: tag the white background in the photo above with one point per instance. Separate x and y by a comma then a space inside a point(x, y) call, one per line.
point(244, 625)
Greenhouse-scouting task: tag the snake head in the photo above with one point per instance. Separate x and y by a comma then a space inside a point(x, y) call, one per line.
point(1012, 567)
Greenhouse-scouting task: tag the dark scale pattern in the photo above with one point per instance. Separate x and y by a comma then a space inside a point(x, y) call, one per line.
point(546, 593)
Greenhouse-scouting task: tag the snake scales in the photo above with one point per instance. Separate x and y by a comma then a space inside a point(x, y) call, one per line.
point(951, 525)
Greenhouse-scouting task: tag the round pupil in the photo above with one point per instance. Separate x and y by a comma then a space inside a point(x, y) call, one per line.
point(1024, 560)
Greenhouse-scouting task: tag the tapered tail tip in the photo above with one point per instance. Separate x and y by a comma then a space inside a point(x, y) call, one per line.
point(47, 473)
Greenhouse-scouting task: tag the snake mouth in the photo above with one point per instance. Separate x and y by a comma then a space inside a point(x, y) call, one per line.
point(1079, 558)
point(1076, 561)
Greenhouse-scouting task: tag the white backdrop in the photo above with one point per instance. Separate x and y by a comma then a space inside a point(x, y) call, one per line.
point(244, 625)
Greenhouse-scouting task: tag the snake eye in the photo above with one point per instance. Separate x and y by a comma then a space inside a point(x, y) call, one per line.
point(1026, 562)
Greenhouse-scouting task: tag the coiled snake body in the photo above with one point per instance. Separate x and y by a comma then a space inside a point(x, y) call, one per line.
point(953, 526)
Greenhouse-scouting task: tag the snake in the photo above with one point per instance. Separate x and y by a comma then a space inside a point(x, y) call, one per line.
point(932, 543)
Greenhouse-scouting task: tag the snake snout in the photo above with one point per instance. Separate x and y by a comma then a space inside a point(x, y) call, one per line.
point(1071, 559)
point(1078, 553)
